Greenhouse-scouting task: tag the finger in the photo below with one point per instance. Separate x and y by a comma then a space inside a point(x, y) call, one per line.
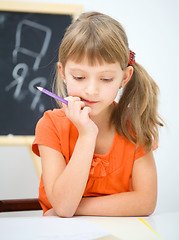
point(79, 105)
point(71, 101)
point(85, 112)
point(75, 103)
point(73, 98)
point(77, 108)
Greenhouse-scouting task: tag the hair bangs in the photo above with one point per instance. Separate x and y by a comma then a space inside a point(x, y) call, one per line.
point(93, 54)
point(95, 46)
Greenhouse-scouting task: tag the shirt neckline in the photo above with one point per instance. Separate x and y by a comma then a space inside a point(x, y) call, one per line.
point(96, 155)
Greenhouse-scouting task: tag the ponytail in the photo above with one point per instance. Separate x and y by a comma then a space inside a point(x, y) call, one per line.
point(135, 116)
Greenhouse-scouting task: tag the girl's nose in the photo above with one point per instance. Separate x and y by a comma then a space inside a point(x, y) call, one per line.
point(91, 88)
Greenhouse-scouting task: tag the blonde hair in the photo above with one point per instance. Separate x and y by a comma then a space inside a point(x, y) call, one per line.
point(102, 38)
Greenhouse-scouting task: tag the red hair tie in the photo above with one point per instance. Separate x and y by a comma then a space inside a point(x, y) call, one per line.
point(131, 57)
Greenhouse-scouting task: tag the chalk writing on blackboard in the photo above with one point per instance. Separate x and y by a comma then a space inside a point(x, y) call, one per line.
point(21, 69)
point(25, 49)
point(29, 46)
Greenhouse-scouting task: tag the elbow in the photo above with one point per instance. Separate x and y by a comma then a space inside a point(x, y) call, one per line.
point(63, 207)
point(65, 214)
point(148, 202)
point(64, 211)
point(149, 208)
point(148, 212)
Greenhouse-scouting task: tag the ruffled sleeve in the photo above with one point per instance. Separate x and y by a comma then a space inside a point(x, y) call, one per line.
point(140, 152)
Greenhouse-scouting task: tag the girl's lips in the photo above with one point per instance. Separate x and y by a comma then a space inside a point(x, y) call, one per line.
point(89, 102)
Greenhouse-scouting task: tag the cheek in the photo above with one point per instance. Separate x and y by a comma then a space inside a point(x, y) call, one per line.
point(111, 97)
point(72, 89)
point(111, 92)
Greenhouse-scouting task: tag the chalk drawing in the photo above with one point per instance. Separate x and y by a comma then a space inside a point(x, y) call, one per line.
point(37, 55)
point(19, 73)
point(21, 70)
point(40, 81)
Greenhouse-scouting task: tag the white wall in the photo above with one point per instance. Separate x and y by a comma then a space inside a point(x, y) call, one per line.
point(18, 176)
point(153, 32)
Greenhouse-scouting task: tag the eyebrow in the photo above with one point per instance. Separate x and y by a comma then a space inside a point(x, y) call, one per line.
point(78, 69)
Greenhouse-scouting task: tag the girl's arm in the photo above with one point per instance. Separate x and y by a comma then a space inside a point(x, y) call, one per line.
point(140, 202)
point(65, 184)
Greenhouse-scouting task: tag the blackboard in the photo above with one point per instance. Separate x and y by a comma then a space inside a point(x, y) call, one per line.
point(29, 42)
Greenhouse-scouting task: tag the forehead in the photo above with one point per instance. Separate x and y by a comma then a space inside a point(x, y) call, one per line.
point(84, 65)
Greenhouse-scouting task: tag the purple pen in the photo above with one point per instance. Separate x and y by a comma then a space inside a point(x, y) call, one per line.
point(52, 95)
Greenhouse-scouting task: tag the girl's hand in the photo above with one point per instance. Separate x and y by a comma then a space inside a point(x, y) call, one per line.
point(78, 113)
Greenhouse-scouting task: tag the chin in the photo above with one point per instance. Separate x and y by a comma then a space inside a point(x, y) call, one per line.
point(94, 113)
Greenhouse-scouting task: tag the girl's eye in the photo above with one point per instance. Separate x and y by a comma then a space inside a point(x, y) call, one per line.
point(107, 79)
point(78, 77)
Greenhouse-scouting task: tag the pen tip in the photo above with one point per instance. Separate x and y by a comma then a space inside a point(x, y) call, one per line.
point(39, 88)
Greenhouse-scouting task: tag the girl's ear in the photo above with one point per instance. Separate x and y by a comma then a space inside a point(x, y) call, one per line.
point(127, 76)
point(60, 68)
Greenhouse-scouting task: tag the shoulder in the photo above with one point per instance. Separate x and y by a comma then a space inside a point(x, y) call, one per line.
point(53, 117)
point(54, 114)
point(51, 130)
point(53, 121)
point(130, 150)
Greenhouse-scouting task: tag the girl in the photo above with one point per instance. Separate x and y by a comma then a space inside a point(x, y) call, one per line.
point(97, 154)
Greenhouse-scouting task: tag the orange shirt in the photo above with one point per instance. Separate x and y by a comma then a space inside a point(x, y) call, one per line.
point(109, 174)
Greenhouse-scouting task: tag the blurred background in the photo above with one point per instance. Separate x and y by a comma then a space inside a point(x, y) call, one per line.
point(153, 34)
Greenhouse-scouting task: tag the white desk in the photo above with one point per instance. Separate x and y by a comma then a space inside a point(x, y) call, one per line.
point(162, 226)
point(165, 224)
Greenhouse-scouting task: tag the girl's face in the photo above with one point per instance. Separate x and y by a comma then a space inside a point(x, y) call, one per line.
point(97, 85)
